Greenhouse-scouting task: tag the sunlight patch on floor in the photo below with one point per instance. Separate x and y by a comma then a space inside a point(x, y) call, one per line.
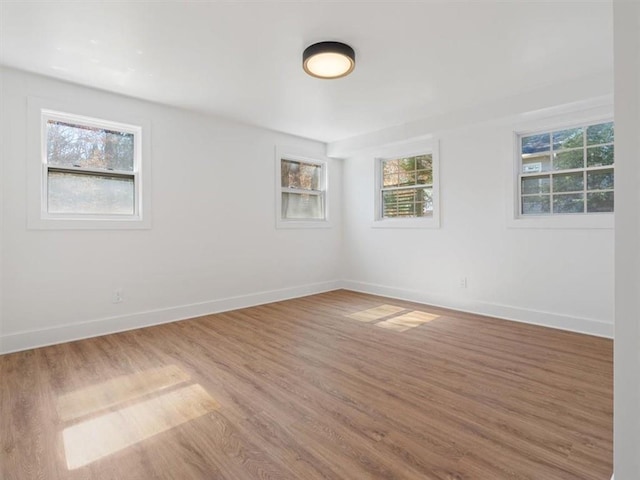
point(376, 313)
point(407, 321)
point(96, 438)
point(118, 390)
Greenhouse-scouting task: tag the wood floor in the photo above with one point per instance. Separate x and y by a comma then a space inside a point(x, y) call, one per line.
point(339, 385)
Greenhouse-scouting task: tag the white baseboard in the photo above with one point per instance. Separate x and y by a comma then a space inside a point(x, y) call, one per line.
point(25, 340)
point(536, 317)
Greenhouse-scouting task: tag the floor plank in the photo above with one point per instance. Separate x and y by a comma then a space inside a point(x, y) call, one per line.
point(340, 385)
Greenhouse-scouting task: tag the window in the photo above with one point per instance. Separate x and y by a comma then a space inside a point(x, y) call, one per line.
point(88, 172)
point(567, 171)
point(407, 187)
point(302, 192)
point(406, 193)
point(90, 166)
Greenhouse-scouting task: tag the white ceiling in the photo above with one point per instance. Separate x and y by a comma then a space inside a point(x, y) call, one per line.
point(243, 59)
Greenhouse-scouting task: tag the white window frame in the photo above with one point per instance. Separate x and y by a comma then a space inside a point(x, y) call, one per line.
point(602, 220)
point(39, 113)
point(294, 155)
point(408, 150)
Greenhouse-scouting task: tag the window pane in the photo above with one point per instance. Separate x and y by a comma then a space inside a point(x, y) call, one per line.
point(420, 210)
point(82, 146)
point(289, 172)
point(305, 176)
point(568, 203)
point(390, 173)
point(424, 177)
point(302, 206)
point(408, 164)
point(310, 176)
point(424, 162)
point(600, 180)
point(536, 163)
point(600, 156)
point(406, 209)
point(406, 196)
point(536, 184)
point(536, 205)
point(389, 204)
point(90, 194)
point(536, 143)
point(573, 137)
point(391, 180)
point(424, 206)
point(407, 178)
point(568, 182)
point(600, 202)
point(569, 159)
point(601, 133)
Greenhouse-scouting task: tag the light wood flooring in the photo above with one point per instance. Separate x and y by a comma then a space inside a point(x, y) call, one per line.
point(339, 385)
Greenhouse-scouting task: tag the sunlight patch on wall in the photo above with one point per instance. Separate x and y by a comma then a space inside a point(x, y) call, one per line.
point(118, 390)
point(376, 313)
point(407, 321)
point(98, 437)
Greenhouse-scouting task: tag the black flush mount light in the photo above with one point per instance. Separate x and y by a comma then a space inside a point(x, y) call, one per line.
point(329, 60)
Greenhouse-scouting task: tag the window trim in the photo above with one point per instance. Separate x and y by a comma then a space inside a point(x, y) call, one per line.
point(40, 111)
point(431, 147)
point(48, 115)
point(295, 155)
point(600, 220)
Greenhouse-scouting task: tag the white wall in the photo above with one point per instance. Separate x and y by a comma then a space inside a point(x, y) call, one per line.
point(627, 242)
point(213, 237)
point(203, 254)
point(557, 277)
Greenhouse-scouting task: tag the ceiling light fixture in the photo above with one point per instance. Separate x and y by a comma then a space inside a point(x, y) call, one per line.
point(328, 60)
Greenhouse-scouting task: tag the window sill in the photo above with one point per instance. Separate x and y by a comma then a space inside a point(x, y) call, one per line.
point(428, 223)
point(134, 223)
point(585, 221)
point(302, 224)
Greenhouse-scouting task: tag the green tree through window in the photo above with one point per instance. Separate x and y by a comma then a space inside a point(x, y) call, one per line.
point(407, 187)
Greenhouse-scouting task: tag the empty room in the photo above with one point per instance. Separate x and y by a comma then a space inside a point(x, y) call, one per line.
point(320, 240)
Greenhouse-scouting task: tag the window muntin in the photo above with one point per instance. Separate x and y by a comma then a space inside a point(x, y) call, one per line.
point(302, 193)
point(91, 168)
point(568, 171)
point(407, 187)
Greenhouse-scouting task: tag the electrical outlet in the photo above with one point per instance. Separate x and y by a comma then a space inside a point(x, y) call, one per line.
point(118, 296)
point(463, 282)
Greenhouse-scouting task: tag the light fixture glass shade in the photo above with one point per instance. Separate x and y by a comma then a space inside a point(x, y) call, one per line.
point(328, 60)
